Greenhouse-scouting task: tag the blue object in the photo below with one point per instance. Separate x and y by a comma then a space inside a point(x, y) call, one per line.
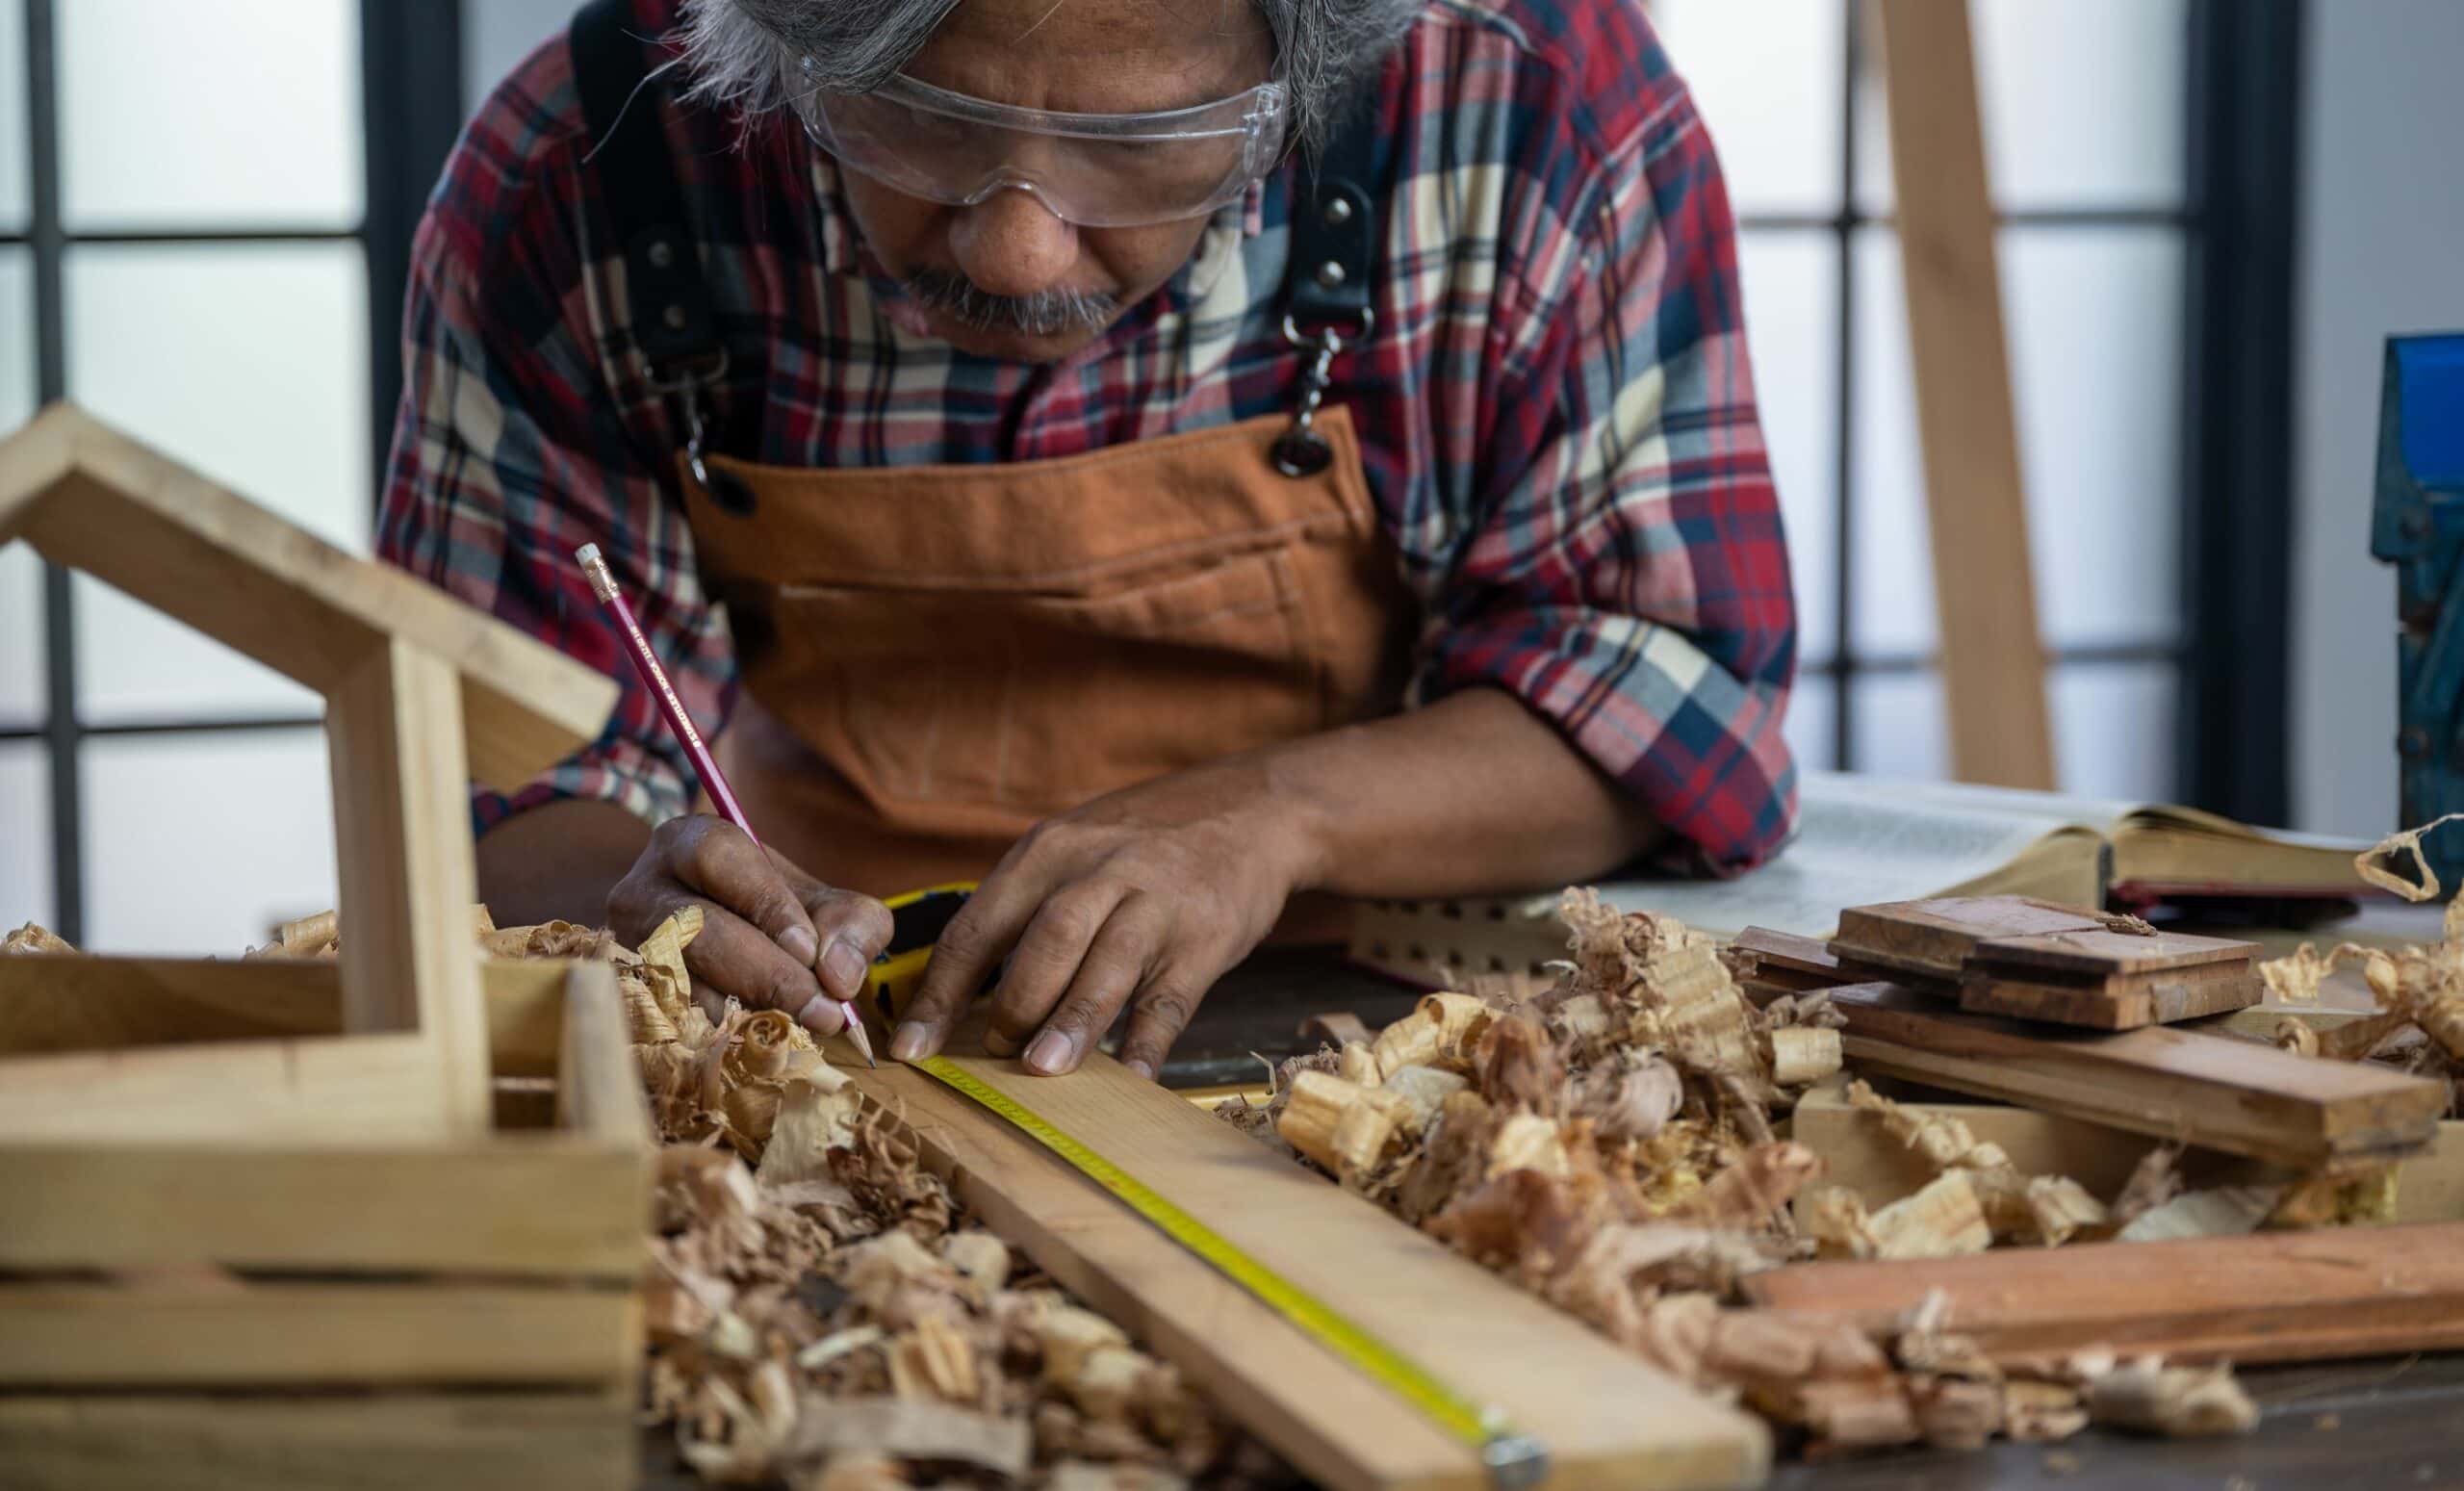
point(2417, 523)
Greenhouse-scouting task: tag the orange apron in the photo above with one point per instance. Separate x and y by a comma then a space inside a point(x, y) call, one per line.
point(934, 658)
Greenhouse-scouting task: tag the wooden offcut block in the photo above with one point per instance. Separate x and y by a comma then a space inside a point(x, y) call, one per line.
point(2033, 960)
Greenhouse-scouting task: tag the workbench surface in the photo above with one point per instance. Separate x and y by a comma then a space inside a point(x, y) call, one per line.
point(2393, 1423)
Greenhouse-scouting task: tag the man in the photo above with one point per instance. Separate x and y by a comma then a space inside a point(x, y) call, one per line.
point(944, 383)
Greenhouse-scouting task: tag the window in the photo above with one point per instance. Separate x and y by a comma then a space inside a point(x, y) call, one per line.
point(2087, 105)
point(189, 220)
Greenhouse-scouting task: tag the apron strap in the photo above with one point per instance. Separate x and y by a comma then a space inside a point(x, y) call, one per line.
point(668, 301)
point(1327, 279)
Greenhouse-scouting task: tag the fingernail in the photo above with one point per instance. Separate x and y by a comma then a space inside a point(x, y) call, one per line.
point(820, 1016)
point(842, 969)
point(909, 1042)
point(1145, 1073)
point(1050, 1053)
point(799, 944)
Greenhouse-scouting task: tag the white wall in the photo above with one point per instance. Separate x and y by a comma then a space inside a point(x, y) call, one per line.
point(497, 33)
point(2382, 251)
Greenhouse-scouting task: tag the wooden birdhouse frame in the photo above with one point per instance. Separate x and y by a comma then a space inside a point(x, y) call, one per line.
point(381, 1218)
point(422, 693)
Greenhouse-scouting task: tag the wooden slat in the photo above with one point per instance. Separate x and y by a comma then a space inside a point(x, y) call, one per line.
point(493, 1441)
point(96, 500)
point(52, 1004)
point(1975, 503)
point(1608, 1419)
point(262, 1334)
point(279, 1154)
point(1857, 1152)
point(2212, 1090)
point(1934, 939)
point(2270, 1297)
point(533, 1205)
point(394, 732)
point(364, 1089)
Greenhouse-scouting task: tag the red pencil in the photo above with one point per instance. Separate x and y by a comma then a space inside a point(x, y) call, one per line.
point(603, 584)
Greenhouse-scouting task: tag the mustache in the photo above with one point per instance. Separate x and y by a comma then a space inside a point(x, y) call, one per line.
point(1046, 312)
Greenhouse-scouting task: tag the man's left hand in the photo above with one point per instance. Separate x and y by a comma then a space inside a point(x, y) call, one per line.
point(1144, 897)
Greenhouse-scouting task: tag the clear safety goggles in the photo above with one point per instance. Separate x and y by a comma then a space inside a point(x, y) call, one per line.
point(1097, 171)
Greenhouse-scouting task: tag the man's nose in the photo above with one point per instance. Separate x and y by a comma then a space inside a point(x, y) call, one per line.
point(1011, 244)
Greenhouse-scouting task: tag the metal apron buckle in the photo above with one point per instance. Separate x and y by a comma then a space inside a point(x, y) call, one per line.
point(727, 493)
point(1300, 450)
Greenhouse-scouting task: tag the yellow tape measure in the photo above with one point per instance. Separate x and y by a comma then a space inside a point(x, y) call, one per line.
point(1513, 1461)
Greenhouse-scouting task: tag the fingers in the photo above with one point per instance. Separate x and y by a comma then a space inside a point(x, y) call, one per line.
point(1047, 957)
point(771, 936)
point(1109, 968)
point(964, 958)
point(853, 929)
point(719, 860)
point(1158, 1015)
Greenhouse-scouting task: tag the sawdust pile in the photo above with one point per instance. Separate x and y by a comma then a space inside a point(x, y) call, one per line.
point(1608, 1142)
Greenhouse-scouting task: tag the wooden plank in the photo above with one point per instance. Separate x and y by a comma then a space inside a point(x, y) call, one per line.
point(1858, 1153)
point(2269, 1297)
point(52, 1004)
point(348, 1090)
point(1975, 503)
point(401, 830)
point(1934, 939)
point(222, 1333)
point(90, 497)
point(1608, 1419)
point(495, 1441)
point(2223, 1094)
point(529, 1204)
point(2120, 1003)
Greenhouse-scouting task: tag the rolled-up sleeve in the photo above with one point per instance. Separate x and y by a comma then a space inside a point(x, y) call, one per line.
point(1628, 577)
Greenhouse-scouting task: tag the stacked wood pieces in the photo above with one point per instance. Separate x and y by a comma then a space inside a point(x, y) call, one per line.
point(272, 1293)
point(2017, 956)
point(2215, 1092)
point(2270, 1297)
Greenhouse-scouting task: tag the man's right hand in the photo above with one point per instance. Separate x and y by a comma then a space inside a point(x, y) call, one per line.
point(772, 937)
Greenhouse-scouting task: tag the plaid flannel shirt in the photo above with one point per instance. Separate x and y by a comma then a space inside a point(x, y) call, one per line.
point(1556, 410)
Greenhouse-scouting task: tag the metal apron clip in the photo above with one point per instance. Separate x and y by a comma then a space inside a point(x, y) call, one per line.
point(1300, 450)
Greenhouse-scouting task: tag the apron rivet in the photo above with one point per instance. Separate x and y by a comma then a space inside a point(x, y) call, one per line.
point(673, 316)
point(1339, 212)
point(662, 254)
point(1330, 273)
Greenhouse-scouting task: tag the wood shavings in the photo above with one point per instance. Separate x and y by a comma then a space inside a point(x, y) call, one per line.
point(2226, 1211)
point(2152, 1397)
point(1630, 1095)
point(30, 939)
point(1802, 1055)
point(1335, 1028)
point(2044, 1210)
point(1753, 1193)
point(1942, 1219)
point(2423, 884)
point(2154, 1180)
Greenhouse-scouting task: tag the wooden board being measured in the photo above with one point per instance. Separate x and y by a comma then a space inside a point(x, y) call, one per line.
point(2211, 1091)
point(2269, 1297)
point(1608, 1419)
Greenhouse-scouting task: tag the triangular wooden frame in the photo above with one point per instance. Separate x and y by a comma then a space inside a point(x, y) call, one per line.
point(421, 692)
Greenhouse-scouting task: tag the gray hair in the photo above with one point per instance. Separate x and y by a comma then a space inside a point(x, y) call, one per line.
point(749, 55)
